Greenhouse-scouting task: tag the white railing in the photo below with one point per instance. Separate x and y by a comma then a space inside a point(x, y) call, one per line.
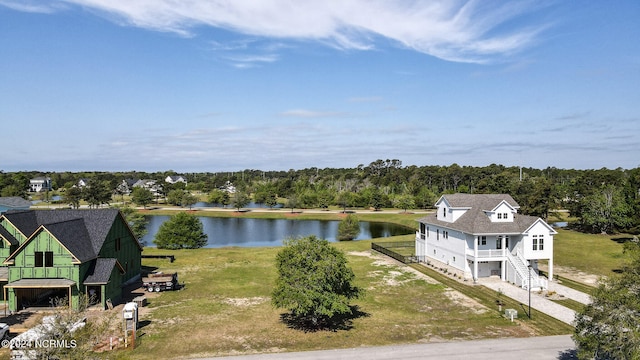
point(519, 264)
point(491, 253)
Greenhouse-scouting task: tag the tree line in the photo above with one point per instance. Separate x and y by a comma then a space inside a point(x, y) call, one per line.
point(604, 200)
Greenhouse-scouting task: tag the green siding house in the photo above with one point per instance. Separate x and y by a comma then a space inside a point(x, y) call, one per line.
point(49, 254)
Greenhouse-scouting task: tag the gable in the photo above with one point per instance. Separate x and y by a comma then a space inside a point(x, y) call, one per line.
point(503, 212)
point(41, 241)
point(540, 227)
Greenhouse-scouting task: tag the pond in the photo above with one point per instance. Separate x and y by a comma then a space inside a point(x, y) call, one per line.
point(248, 232)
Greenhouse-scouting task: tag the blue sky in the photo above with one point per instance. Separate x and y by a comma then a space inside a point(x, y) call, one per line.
point(197, 86)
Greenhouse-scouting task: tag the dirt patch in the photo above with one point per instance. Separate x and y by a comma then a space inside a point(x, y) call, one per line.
point(245, 301)
point(573, 274)
point(467, 302)
point(386, 261)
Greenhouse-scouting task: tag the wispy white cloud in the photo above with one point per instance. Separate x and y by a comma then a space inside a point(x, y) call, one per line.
point(247, 61)
point(453, 30)
point(32, 6)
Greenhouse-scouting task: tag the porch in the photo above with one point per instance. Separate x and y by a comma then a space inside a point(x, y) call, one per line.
point(487, 255)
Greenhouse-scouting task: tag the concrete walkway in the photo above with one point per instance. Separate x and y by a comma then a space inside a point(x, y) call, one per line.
point(570, 293)
point(538, 302)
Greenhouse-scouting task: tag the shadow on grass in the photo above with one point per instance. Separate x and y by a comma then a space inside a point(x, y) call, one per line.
point(622, 239)
point(334, 323)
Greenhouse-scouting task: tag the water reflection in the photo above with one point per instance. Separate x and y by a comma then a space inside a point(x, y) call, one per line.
point(248, 232)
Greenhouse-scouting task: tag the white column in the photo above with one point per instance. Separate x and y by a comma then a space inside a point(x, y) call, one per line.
point(475, 258)
point(551, 268)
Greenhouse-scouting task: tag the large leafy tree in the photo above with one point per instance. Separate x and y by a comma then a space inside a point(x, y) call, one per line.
point(606, 210)
point(73, 196)
point(404, 201)
point(141, 196)
point(240, 199)
point(181, 231)
point(314, 282)
point(97, 193)
point(219, 197)
point(348, 228)
point(609, 327)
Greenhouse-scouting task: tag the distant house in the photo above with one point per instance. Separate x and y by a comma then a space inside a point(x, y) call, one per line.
point(40, 184)
point(83, 183)
point(175, 179)
point(228, 187)
point(151, 185)
point(13, 203)
point(126, 186)
point(482, 235)
point(49, 254)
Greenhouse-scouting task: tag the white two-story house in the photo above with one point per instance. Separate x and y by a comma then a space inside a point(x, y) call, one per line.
point(482, 235)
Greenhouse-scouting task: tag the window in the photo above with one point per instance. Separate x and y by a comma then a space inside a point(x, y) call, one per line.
point(538, 242)
point(427, 231)
point(499, 242)
point(499, 216)
point(438, 234)
point(118, 244)
point(43, 259)
point(445, 234)
point(505, 216)
point(48, 259)
point(444, 212)
point(483, 240)
point(39, 259)
point(422, 231)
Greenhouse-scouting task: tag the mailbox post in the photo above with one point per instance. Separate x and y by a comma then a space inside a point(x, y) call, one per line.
point(130, 322)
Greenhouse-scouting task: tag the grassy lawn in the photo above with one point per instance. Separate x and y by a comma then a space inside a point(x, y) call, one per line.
point(225, 308)
point(590, 253)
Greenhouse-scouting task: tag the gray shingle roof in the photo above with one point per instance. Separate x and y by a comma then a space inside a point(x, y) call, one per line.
point(24, 220)
point(82, 232)
point(74, 236)
point(480, 201)
point(97, 222)
point(475, 221)
point(14, 202)
point(100, 271)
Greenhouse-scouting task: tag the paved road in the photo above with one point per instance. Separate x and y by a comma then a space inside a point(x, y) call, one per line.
point(547, 347)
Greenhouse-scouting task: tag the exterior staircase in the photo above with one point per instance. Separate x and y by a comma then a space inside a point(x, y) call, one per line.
point(520, 266)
